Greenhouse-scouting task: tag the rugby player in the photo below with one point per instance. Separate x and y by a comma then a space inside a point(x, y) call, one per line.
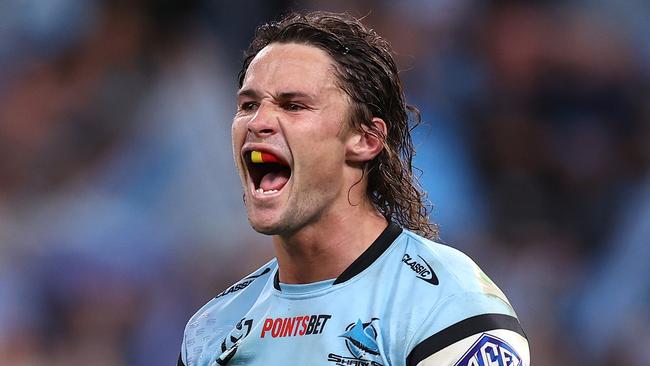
point(321, 140)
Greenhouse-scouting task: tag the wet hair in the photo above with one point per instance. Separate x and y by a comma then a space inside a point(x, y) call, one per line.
point(366, 71)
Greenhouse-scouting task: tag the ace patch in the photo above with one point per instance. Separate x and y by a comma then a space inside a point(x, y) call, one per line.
point(490, 351)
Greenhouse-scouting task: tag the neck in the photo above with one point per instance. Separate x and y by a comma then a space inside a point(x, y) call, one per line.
point(324, 249)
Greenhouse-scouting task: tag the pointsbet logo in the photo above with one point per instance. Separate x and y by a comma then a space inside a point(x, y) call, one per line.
point(296, 326)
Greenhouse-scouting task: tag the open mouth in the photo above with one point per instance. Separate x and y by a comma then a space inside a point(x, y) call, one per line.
point(268, 173)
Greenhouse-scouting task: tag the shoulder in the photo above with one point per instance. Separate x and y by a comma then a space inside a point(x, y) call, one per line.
point(458, 308)
point(258, 276)
point(228, 305)
point(223, 312)
point(451, 271)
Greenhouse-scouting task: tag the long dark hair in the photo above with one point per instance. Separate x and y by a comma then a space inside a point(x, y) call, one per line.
point(367, 72)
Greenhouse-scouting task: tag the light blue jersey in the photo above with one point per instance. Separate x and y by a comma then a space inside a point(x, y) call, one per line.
point(404, 301)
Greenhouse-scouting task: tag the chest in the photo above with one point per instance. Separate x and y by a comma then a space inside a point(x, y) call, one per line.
point(328, 331)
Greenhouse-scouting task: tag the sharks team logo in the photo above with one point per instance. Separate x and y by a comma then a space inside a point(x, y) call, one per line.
point(361, 339)
point(490, 351)
point(361, 342)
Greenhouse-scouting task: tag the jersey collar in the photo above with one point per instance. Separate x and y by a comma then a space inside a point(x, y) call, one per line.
point(368, 257)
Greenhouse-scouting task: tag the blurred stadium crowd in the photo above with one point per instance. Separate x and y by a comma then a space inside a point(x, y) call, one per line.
point(121, 212)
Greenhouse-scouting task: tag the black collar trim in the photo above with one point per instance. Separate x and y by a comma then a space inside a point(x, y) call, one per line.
point(376, 249)
point(276, 280)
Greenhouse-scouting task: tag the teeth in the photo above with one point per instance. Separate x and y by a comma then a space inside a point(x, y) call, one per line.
point(270, 191)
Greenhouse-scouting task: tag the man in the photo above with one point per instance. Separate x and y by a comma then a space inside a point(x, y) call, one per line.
point(322, 143)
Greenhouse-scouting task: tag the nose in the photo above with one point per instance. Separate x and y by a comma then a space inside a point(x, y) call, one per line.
point(263, 123)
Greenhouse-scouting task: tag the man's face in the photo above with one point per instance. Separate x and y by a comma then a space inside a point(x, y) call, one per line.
point(290, 107)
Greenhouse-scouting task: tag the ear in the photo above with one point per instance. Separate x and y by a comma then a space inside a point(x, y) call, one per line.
point(364, 145)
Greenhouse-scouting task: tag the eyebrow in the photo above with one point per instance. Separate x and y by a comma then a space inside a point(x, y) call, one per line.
point(251, 93)
point(294, 95)
point(248, 93)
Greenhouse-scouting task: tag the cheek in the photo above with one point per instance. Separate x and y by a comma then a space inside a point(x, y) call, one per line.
point(238, 126)
point(316, 135)
point(238, 133)
point(322, 158)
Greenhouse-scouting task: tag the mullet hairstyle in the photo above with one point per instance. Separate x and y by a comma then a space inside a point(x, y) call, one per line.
point(367, 72)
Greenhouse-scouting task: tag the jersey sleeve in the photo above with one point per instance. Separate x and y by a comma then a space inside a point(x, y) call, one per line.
point(182, 361)
point(470, 329)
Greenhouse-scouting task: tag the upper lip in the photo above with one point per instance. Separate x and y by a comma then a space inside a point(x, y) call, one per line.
point(261, 147)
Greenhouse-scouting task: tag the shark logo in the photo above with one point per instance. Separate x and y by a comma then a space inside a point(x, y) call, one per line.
point(361, 341)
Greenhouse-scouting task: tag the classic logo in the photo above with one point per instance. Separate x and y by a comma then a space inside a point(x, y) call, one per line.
point(361, 341)
point(423, 271)
point(490, 351)
point(296, 326)
point(231, 342)
point(242, 284)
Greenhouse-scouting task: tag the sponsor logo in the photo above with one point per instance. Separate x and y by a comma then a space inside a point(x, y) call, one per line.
point(361, 342)
point(423, 271)
point(232, 340)
point(490, 351)
point(242, 284)
point(296, 326)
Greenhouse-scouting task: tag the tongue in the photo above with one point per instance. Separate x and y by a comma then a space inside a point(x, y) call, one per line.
point(274, 180)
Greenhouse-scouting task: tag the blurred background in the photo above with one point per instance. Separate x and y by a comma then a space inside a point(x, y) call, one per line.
point(121, 211)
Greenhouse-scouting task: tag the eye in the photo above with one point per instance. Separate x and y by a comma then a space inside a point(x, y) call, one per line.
point(248, 106)
point(293, 107)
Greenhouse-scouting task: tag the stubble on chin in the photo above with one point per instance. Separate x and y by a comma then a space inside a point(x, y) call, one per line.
point(264, 226)
point(282, 225)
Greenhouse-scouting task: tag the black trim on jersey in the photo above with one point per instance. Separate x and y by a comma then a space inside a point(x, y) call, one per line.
point(460, 331)
point(376, 249)
point(276, 280)
point(180, 361)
